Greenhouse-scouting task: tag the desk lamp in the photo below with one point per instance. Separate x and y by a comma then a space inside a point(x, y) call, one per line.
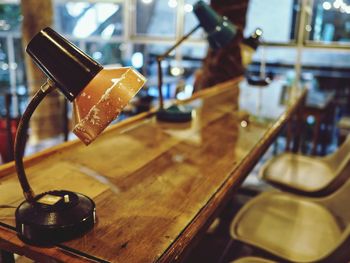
point(98, 96)
point(220, 32)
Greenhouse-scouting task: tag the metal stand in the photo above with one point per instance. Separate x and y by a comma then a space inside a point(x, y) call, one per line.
point(174, 114)
point(54, 216)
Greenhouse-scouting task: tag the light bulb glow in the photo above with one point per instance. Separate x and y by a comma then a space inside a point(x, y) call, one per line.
point(326, 5)
point(176, 71)
point(137, 60)
point(172, 3)
point(337, 3)
point(188, 8)
point(97, 55)
point(244, 124)
point(258, 32)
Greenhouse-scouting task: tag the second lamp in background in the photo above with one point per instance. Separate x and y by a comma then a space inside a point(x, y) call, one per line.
point(220, 32)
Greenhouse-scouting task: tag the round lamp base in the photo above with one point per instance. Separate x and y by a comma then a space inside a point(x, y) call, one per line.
point(54, 217)
point(174, 114)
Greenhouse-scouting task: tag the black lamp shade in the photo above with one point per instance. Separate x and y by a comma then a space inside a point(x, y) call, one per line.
point(219, 29)
point(65, 64)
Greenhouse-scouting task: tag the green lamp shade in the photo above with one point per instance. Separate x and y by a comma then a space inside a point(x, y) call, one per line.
point(219, 29)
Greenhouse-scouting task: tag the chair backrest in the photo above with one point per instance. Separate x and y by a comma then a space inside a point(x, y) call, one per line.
point(339, 163)
point(341, 253)
point(337, 204)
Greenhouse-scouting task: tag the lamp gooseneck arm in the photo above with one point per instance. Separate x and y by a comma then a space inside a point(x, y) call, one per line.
point(164, 55)
point(21, 134)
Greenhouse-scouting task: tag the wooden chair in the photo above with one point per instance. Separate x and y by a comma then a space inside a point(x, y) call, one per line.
point(297, 229)
point(309, 176)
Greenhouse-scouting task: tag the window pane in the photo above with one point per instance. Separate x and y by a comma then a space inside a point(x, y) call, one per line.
point(156, 17)
point(275, 17)
point(150, 69)
point(105, 53)
point(331, 59)
point(10, 17)
point(279, 60)
point(150, 53)
point(83, 19)
point(330, 69)
point(192, 57)
point(194, 51)
point(330, 21)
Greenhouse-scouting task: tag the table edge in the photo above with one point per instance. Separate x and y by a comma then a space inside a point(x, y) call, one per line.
point(176, 252)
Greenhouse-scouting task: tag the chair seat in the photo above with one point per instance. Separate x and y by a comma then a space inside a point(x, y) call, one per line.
point(298, 172)
point(252, 260)
point(287, 226)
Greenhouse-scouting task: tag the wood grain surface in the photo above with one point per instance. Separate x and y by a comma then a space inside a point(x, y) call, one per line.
point(156, 185)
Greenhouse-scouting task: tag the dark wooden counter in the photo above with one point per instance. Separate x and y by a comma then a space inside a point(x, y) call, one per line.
point(157, 186)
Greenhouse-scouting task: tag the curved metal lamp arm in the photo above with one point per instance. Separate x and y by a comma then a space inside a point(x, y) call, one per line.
point(21, 134)
point(160, 59)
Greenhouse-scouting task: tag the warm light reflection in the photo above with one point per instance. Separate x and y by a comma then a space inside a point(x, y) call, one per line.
point(244, 124)
point(178, 158)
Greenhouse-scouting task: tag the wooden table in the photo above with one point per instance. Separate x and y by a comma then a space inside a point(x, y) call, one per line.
point(157, 186)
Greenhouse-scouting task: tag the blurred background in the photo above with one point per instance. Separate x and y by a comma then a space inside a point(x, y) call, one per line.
point(310, 38)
